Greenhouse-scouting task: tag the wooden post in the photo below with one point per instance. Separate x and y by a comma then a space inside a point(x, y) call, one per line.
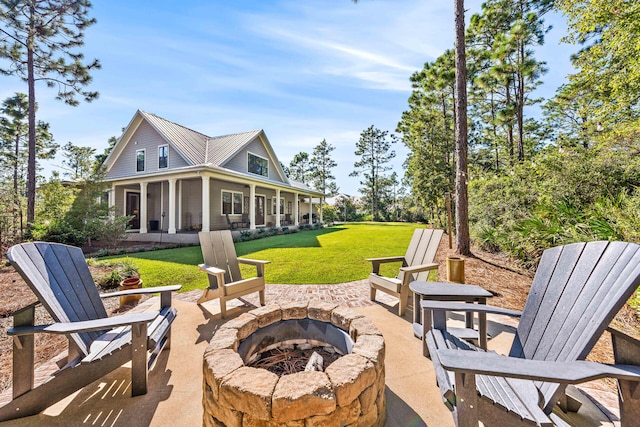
point(447, 201)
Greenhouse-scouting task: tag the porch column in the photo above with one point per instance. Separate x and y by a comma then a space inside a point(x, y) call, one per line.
point(179, 214)
point(172, 206)
point(277, 207)
point(252, 206)
point(206, 196)
point(112, 197)
point(143, 207)
point(321, 208)
point(310, 209)
point(296, 210)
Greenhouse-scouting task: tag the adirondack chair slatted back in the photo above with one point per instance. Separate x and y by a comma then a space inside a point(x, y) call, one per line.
point(422, 250)
point(578, 289)
point(218, 251)
point(59, 276)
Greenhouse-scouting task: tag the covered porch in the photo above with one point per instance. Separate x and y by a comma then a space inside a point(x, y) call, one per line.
point(186, 203)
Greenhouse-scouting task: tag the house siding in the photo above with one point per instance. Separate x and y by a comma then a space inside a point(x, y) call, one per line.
point(239, 162)
point(191, 204)
point(144, 138)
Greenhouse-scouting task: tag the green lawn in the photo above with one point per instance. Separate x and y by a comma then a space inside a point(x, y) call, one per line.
point(325, 256)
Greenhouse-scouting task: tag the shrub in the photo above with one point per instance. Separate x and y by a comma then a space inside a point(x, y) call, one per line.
point(59, 232)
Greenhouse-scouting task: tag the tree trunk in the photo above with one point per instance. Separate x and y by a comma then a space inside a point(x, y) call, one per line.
point(31, 163)
point(17, 208)
point(520, 92)
point(462, 209)
point(509, 124)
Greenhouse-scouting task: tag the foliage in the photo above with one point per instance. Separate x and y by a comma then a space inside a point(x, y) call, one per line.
point(13, 159)
point(112, 229)
point(607, 80)
point(54, 200)
point(81, 207)
point(374, 152)
point(321, 164)
point(299, 167)
point(346, 209)
point(564, 196)
point(37, 40)
point(59, 231)
point(118, 271)
point(79, 160)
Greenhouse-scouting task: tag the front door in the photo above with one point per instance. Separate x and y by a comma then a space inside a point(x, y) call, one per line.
point(260, 200)
point(133, 209)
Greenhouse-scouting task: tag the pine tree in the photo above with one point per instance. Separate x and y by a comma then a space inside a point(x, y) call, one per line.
point(374, 149)
point(321, 164)
point(39, 39)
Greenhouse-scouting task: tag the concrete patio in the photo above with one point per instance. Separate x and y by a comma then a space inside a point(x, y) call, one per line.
point(175, 383)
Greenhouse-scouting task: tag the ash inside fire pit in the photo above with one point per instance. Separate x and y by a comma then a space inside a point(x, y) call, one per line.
point(285, 347)
point(285, 361)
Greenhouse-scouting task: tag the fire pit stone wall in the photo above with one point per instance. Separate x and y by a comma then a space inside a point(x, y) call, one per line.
point(349, 393)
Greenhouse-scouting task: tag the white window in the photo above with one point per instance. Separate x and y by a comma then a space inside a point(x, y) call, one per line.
point(163, 156)
point(139, 160)
point(258, 165)
point(232, 202)
point(273, 204)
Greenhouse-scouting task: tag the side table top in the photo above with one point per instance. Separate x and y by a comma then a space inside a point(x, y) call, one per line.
point(445, 289)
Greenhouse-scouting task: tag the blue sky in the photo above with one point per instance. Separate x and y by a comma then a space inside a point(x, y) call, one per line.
point(301, 70)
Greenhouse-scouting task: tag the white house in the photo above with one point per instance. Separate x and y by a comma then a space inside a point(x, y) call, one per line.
point(174, 179)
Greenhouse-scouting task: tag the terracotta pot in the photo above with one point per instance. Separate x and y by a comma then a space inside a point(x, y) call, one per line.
point(125, 285)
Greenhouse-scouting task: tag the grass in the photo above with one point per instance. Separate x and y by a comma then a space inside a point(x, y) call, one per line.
point(326, 256)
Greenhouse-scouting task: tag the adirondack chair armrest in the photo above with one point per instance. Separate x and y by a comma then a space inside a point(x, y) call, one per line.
point(258, 263)
point(253, 261)
point(419, 268)
point(209, 269)
point(428, 305)
point(574, 372)
point(86, 326)
point(142, 291)
point(375, 262)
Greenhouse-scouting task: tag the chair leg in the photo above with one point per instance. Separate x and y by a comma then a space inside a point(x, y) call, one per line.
point(207, 295)
point(223, 307)
point(466, 400)
point(404, 296)
point(139, 368)
point(373, 293)
point(261, 293)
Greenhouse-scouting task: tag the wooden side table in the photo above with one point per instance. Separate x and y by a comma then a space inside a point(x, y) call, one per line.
point(440, 291)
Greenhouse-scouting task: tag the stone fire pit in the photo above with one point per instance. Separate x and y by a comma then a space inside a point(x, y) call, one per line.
point(350, 392)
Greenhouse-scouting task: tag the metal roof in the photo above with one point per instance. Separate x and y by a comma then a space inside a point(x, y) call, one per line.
point(196, 147)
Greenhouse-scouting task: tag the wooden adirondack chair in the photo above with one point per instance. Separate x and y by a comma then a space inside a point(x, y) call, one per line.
point(59, 276)
point(221, 265)
point(416, 264)
point(576, 292)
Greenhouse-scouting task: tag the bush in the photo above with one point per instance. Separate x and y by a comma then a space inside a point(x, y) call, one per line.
point(59, 232)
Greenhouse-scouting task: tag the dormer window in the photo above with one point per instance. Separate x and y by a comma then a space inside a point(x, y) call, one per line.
point(163, 157)
point(258, 165)
point(139, 160)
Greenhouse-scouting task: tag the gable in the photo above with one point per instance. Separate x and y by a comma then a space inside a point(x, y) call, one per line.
point(239, 161)
point(146, 138)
